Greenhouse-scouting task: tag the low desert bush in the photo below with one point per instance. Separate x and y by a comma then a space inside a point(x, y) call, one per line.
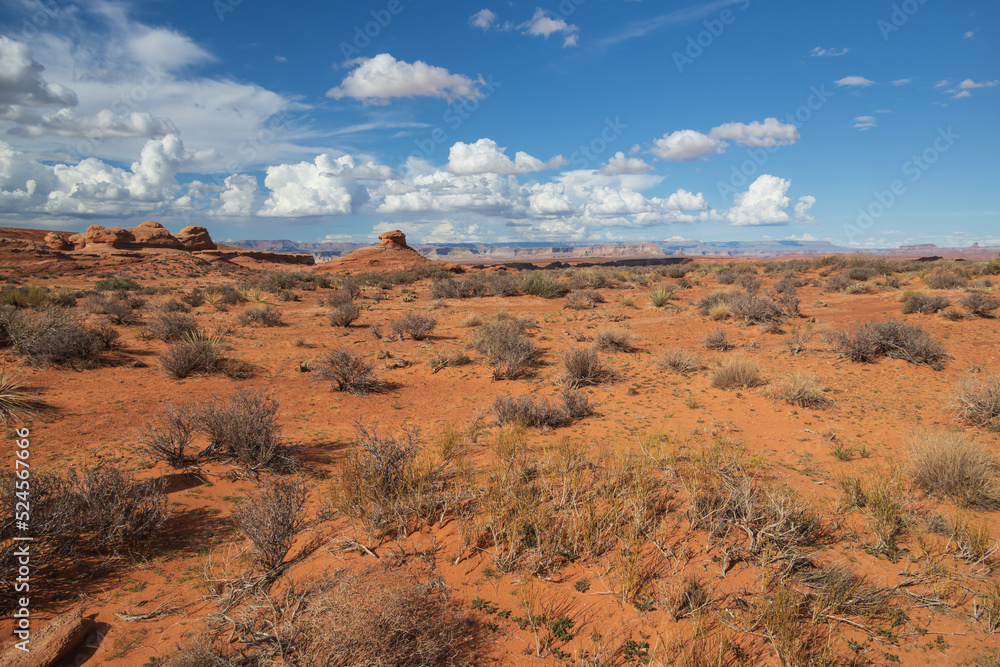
point(117, 284)
point(190, 355)
point(30, 296)
point(837, 283)
point(401, 623)
point(168, 437)
point(117, 514)
point(889, 338)
point(802, 390)
point(244, 430)
point(613, 340)
point(169, 326)
point(55, 336)
point(981, 305)
point(924, 304)
point(583, 367)
point(543, 284)
point(679, 361)
point(271, 518)
point(754, 310)
point(977, 402)
point(717, 340)
point(531, 411)
point(737, 374)
point(416, 326)
point(344, 314)
point(259, 315)
point(505, 348)
point(947, 280)
point(346, 371)
point(953, 464)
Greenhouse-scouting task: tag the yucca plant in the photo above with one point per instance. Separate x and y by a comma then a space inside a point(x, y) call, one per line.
point(16, 400)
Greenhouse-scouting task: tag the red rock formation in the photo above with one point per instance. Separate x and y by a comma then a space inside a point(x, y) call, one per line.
point(394, 239)
point(391, 254)
point(114, 237)
point(195, 238)
point(152, 234)
point(58, 241)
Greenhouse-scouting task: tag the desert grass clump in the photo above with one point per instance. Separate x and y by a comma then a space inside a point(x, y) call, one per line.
point(685, 598)
point(946, 280)
point(981, 305)
point(259, 315)
point(717, 340)
point(798, 340)
point(737, 374)
point(271, 518)
point(953, 464)
point(445, 359)
point(346, 371)
point(977, 402)
point(660, 296)
point(889, 338)
point(803, 390)
point(679, 360)
point(244, 430)
point(416, 326)
point(531, 411)
point(117, 284)
point(924, 304)
point(169, 326)
point(614, 340)
point(505, 348)
point(30, 296)
point(582, 367)
point(16, 400)
point(834, 589)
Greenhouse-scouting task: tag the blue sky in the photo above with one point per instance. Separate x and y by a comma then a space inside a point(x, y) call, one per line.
point(869, 124)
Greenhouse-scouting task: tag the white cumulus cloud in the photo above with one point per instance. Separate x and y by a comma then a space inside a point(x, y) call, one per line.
point(764, 203)
point(21, 81)
point(483, 19)
point(771, 132)
point(619, 164)
point(486, 157)
point(686, 145)
point(802, 208)
point(376, 80)
point(542, 25)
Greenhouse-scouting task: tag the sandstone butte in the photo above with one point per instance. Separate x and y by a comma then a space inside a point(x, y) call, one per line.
point(391, 254)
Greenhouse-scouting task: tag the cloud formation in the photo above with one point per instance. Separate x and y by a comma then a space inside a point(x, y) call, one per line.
point(542, 25)
point(486, 157)
point(376, 80)
point(856, 81)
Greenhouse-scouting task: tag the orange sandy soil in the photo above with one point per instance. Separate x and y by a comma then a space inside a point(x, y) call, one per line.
point(876, 408)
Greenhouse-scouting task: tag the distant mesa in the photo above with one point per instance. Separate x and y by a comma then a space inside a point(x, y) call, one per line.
point(391, 254)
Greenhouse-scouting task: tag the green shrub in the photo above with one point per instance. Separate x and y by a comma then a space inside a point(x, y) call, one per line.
point(117, 284)
point(543, 284)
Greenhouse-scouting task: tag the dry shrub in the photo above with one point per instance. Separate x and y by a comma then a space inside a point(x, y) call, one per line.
point(977, 402)
point(417, 327)
point(834, 589)
point(244, 429)
point(169, 435)
point(786, 620)
point(953, 464)
point(54, 336)
point(981, 305)
point(259, 315)
point(798, 340)
point(737, 374)
point(719, 312)
point(116, 513)
point(804, 391)
point(343, 310)
point(889, 338)
point(381, 483)
point(755, 310)
point(189, 356)
point(947, 280)
point(580, 301)
point(679, 360)
point(376, 617)
point(924, 304)
point(271, 518)
point(685, 598)
point(531, 411)
point(613, 340)
point(505, 347)
point(583, 367)
point(446, 359)
point(717, 340)
point(348, 372)
point(169, 326)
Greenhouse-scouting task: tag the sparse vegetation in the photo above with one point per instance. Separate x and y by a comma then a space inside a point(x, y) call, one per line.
point(505, 348)
point(416, 326)
point(532, 411)
point(737, 374)
point(977, 402)
point(679, 361)
point(614, 340)
point(889, 338)
point(346, 371)
point(259, 315)
point(954, 465)
point(582, 367)
point(981, 305)
point(804, 391)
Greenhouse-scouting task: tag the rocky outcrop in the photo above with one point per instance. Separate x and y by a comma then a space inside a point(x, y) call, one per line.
point(114, 237)
point(152, 234)
point(391, 254)
point(58, 241)
point(195, 238)
point(393, 240)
